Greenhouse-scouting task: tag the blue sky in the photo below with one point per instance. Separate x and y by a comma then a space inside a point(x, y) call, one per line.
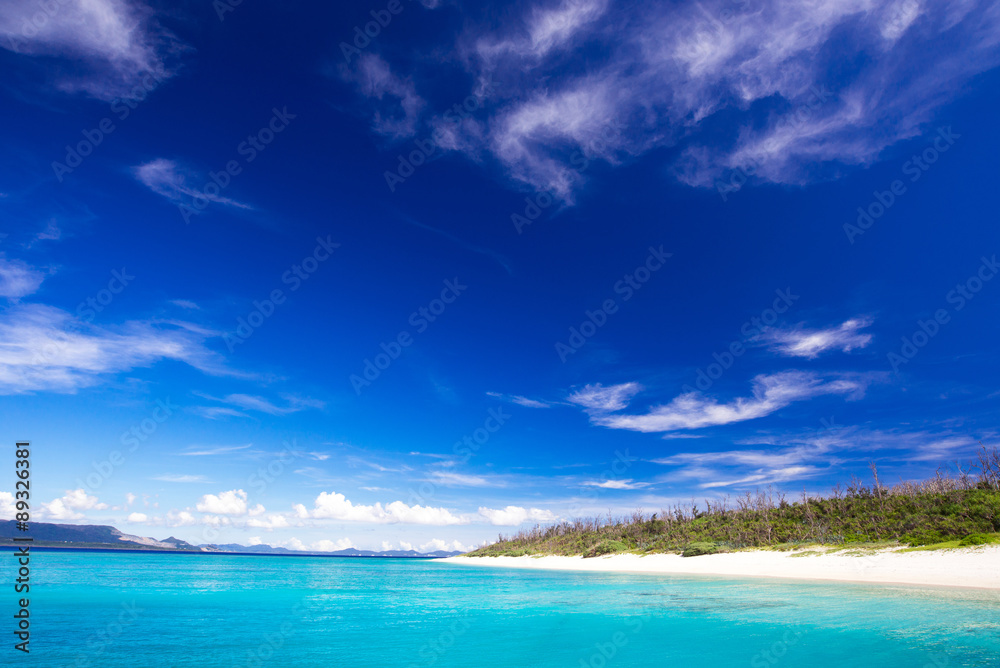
point(266, 278)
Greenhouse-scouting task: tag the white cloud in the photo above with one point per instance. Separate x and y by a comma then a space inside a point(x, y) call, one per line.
point(805, 455)
point(45, 348)
point(137, 518)
point(809, 343)
point(233, 502)
point(293, 544)
point(515, 515)
point(180, 519)
point(68, 506)
point(616, 484)
point(109, 47)
point(546, 29)
point(461, 480)
point(17, 279)
point(170, 477)
point(327, 545)
point(436, 544)
point(167, 178)
point(333, 505)
point(8, 507)
point(398, 105)
point(216, 412)
point(263, 405)
point(735, 87)
point(602, 399)
point(766, 477)
point(269, 522)
point(215, 520)
point(519, 400)
point(196, 451)
point(694, 410)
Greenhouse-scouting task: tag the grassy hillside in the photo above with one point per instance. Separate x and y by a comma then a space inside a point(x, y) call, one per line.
point(964, 507)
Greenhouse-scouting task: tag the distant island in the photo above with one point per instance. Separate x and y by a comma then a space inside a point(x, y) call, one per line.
point(106, 537)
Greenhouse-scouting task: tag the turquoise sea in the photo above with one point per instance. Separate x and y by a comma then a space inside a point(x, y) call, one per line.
point(161, 610)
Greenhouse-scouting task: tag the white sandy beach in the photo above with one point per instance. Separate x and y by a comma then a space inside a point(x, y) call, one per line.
point(965, 567)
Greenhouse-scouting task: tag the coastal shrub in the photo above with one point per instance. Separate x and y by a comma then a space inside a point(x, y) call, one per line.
point(939, 510)
point(606, 547)
point(919, 538)
point(975, 539)
point(696, 549)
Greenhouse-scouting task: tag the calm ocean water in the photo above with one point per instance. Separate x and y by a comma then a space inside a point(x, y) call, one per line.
point(150, 610)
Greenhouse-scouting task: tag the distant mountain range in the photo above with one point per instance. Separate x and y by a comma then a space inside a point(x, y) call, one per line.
point(104, 536)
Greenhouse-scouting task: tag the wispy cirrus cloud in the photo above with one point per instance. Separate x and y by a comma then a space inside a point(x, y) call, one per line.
point(182, 478)
point(694, 410)
point(249, 402)
point(45, 348)
point(519, 400)
point(449, 478)
point(763, 88)
point(810, 343)
point(601, 399)
point(615, 483)
point(104, 48)
point(396, 104)
point(167, 178)
point(213, 451)
point(804, 455)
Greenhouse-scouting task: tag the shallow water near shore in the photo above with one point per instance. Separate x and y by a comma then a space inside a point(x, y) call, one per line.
point(138, 610)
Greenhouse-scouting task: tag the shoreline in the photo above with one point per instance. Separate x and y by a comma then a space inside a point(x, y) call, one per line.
point(971, 567)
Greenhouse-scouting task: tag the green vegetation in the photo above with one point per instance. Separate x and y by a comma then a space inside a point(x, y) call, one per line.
point(963, 509)
point(697, 549)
